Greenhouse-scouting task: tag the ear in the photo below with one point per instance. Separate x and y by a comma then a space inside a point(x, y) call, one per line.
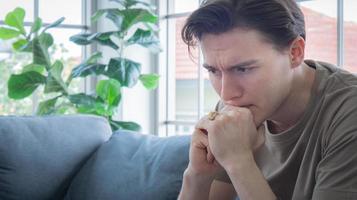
point(297, 51)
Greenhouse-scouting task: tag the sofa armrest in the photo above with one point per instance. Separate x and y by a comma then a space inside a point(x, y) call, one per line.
point(40, 155)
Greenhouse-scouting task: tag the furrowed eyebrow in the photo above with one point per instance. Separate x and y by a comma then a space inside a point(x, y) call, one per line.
point(243, 64)
point(207, 66)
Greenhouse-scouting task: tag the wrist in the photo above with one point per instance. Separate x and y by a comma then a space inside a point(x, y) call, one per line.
point(240, 165)
point(249, 180)
point(194, 186)
point(197, 178)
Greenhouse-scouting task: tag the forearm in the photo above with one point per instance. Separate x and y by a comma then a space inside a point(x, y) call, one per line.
point(194, 187)
point(248, 181)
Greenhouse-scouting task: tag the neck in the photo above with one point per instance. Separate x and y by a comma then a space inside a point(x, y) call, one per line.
point(294, 106)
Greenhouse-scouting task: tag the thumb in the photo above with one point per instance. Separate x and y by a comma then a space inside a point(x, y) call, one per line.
point(261, 129)
point(260, 136)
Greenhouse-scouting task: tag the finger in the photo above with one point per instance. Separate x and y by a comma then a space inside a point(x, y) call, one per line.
point(204, 131)
point(210, 157)
point(200, 139)
point(202, 143)
point(261, 129)
point(203, 123)
point(235, 110)
point(228, 108)
point(215, 162)
point(261, 136)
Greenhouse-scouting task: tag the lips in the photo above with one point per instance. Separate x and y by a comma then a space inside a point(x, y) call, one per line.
point(238, 105)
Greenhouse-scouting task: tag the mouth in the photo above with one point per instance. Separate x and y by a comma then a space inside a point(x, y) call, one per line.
point(247, 106)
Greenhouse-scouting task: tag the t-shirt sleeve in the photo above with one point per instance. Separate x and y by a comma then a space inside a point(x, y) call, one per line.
point(336, 173)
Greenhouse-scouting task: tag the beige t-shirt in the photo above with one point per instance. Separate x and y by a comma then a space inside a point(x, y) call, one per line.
point(316, 158)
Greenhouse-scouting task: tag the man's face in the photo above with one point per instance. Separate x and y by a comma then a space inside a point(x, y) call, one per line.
point(247, 71)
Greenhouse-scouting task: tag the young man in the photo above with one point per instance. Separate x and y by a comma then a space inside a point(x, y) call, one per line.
point(286, 128)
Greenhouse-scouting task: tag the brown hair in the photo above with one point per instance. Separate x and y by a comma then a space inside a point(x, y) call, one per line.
point(279, 21)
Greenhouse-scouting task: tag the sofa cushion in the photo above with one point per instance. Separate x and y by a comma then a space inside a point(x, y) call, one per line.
point(133, 166)
point(40, 155)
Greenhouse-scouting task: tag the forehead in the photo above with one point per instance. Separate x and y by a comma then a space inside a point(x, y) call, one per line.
point(235, 38)
point(235, 46)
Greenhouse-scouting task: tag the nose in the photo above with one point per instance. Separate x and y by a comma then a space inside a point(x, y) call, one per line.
point(231, 90)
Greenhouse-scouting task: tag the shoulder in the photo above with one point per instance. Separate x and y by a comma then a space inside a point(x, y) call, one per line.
point(331, 78)
point(336, 105)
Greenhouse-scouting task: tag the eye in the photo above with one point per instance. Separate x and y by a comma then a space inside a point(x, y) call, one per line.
point(211, 70)
point(242, 69)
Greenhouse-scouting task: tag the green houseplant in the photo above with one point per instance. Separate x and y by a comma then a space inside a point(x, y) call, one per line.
point(135, 24)
point(42, 70)
point(117, 73)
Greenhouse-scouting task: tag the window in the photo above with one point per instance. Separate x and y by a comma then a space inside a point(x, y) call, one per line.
point(321, 26)
point(68, 52)
point(331, 29)
point(185, 93)
point(350, 33)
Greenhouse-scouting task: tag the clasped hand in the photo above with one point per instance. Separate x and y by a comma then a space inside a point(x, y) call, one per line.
point(225, 141)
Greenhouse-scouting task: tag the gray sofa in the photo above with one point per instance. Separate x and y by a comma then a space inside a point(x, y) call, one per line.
point(78, 157)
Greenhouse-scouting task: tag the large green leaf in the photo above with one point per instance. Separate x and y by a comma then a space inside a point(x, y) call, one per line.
point(54, 24)
point(131, 3)
point(36, 25)
point(152, 27)
point(114, 15)
point(20, 44)
point(145, 38)
point(150, 81)
point(101, 38)
point(98, 108)
point(118, 125)
point(86, 69)
point(62, 108)
point(82, 99)
point(40, 47)
point(54, 81)
point(137, 15)
point(97, 15)
point(81, 39)
point(94, 57)
point(15, 19)
point(88, 104)
point(47, 107)
point(104, 39)
point(23, 85)
point(142, 3)
point(8, 33)
point(127, 72)
point(89, 66)
point(34, 67)
point(109, 91)
point(46, 40)
point(40, 53)
point(124, 19)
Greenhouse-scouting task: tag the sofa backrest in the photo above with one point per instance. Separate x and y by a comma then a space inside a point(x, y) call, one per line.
point(39, 156)
point(133, 166)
